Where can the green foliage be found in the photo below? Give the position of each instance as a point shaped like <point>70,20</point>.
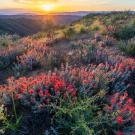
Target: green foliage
<point>81,118</point>
<point>91,54</point>
<point>120,16</point>
<point>106,21</point>
<point>125,33</point>
<point>8,40</point>
<point>108,41</point>
<point>9,124</point>
<point>68,33</point>
<point>96,28</point>
<point>82,30</point>
<point>39,35</point>
<point>4,42</point>
<point>128,49</point>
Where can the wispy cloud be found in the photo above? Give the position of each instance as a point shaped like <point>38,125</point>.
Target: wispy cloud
<point>92,2</point>
<point>35,1</point>
<point>100,2</point>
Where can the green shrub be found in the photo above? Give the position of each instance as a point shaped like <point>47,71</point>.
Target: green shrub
<point>70,101</point>
<point>4,42</point>
<point>82,30</point>
<point>69,33</point>
<point>128,49</point>
<point>39,35</point>
<point>7,122</point>
<point>80,118</point>
<point>96,28</point>
<point>120,16</point>
<point>125,33</point>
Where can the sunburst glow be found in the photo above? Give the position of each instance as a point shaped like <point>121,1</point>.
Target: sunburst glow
<point>48,7</point>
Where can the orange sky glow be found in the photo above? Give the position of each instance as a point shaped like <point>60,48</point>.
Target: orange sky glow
<point>42,6</point>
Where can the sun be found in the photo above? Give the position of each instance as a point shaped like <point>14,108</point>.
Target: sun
<point>48,7</point>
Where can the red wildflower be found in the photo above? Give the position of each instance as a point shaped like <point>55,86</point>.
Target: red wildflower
<point>39,89</point>
<point>101,65</point>
<point>120,133</point>
<point>122,98</point>
<point>59,84</point>
<point>117,94</point>
<point>121,66</point>
<point>127,107</point>
<point>130,101</point>
<point>113,100</point>
<point>31,91</point>
<point>17,96</point>
<point>125,94</point>
<point>41,93</point>
<point>133,117</point>
<point>23,90</point>
<point>120,120</point>
<point>69,87</point>
<point>74,93</point>
<point>119,104</point>
<point>85,81</point>
<point>109,108</point>
<point>47,101</point>
<point>47,93</point>
<point>133,110</point>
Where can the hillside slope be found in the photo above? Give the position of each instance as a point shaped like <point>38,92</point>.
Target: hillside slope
<point>29,24</point>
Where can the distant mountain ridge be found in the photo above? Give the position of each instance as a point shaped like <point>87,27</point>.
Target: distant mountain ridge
<point>25,12</point>
<point>16,12</point>
<point>24,25</point>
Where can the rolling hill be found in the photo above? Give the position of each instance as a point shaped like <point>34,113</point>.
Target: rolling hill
<point>24,25</point>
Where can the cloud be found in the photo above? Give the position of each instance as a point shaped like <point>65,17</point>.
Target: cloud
<point>100,2</point>
<point>87,2</point>
<point>90,2</point>
<point>35,1</point>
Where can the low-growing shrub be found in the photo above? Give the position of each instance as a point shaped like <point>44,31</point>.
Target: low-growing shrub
<point>39,35</point>
<point>69,33</point>
<point>128,49</point>
<point>8,56</point>
<point>8,40</point>
<point>125,33</point>
<point>82,30</point>
<point>120,16</point>
<point>71,101</point>
<point>86,79</point>
<point>122,112</point>
<point>82,117</point>
<point>107,41</point>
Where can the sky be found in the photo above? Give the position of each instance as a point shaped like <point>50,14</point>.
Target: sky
<point>68,5</point>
